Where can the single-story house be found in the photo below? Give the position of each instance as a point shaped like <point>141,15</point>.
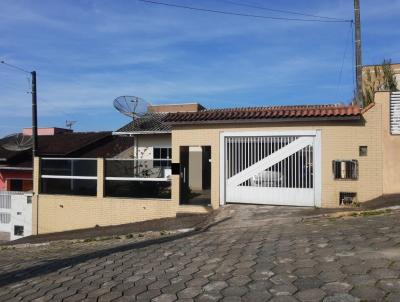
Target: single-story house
<point>317,156</point>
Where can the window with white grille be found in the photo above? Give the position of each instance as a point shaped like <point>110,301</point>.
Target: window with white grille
<point>5,218</point>
<point>345,169</point>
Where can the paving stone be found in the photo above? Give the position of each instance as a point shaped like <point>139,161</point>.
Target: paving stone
<point>311,295</point>
<point>257,296</point>
<point>209,297</point>
<point>239,280</point>
<point>283,290</point>
<point>215,286</point>
<point>384,273</point>
<point>341,298</point>
<point>283,279</point>
<point>392,297</point>
<point>234,291</point>
<point>368,293</point>
<point>361,280</point>
<point>389,285</point>
<point>165,298</point>
<point>336,287</point>
<point>307,283</point>
<point>189,292</point>
<point>283,299</point>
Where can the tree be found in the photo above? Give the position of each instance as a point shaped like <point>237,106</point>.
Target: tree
<point>380,78</point>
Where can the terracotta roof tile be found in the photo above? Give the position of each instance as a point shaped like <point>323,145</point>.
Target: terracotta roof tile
<point>264,113</point>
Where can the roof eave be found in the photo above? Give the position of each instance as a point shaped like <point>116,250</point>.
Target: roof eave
<point>141,132</point>
<point>275,120</point>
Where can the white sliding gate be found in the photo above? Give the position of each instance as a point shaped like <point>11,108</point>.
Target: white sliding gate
<point>282,168</point>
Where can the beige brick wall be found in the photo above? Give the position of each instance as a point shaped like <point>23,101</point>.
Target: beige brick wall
<point>57,213</point>
<point>391,148</point>
<point>61,213</point>
<point>340,140</point>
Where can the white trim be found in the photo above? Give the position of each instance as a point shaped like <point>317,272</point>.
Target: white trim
<point>317,157</point>
<point>318,169</point>
<point>69,177</point>
<point>271,133</point>
<point>222,168</point>
<point>138,179</point>
<point>69,158</point>
<point>137,159</point>
<point>16,168</point>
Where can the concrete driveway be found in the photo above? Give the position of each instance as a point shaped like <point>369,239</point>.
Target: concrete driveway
<point>258,253</point>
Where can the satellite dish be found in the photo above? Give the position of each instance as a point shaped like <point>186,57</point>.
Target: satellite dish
<point>69,124</point>
<point>131,106</point>
<point>17,142</point>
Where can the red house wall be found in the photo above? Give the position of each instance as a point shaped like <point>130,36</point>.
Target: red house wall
<point>5,176</point>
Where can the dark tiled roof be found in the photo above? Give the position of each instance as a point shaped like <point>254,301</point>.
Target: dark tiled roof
<point>264,114</point>
<point>112,147</point>
<point>64,144</point>
<point>152,122</point>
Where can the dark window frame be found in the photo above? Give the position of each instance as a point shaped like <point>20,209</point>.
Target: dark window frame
<point>350,172</point>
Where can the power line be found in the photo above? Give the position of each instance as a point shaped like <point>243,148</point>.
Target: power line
<point>15,67</point>
<point>349,33</point>
<point>240,14</point>
<point>281,10</point>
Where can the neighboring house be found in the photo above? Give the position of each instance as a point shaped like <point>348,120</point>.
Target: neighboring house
<point>16,171</point>
<point>317,156</point>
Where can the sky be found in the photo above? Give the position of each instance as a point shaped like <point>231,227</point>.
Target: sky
<point>87,53</point>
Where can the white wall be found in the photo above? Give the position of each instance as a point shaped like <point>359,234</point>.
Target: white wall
<point>146,144</point>
<point>20,210</point>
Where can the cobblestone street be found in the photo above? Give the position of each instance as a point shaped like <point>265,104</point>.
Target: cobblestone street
<point>260,253</point>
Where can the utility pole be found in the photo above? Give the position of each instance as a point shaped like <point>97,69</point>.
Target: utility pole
<point>34,115</point>
<point>357,41</point>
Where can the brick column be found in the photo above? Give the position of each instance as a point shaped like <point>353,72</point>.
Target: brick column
<point>100,177</point>
<point>35,197</point>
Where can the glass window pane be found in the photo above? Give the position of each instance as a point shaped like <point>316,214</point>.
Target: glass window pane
<point>164,153</point>
<point>138,189</point>
<point>157,153</point>
<point>69,186</point>
<point>80,167</point>
<point>132,168</point>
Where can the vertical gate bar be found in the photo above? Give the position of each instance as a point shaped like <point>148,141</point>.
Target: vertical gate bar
<point>232,156</point>
<point>307,167</point>
<point>301,168</point>
<point>236,156</point>
<point>279,166</point>
<point>268,153</point>
<point>229,156</point>
<point>295,170</point>
<point>312,165</point>
<point>228,159</point>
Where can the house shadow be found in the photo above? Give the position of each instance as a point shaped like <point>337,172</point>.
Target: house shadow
<point>57,264</point>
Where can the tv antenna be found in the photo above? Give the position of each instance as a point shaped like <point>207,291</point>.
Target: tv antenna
<point>69,124</point>
<point>17,142</point>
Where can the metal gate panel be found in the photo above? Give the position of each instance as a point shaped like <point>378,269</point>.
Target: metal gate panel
<point>269,169</point>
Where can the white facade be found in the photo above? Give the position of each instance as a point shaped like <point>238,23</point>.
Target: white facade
<point>15,214</point>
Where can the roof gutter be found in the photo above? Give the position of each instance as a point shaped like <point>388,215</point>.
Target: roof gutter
<point>141,132</point>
